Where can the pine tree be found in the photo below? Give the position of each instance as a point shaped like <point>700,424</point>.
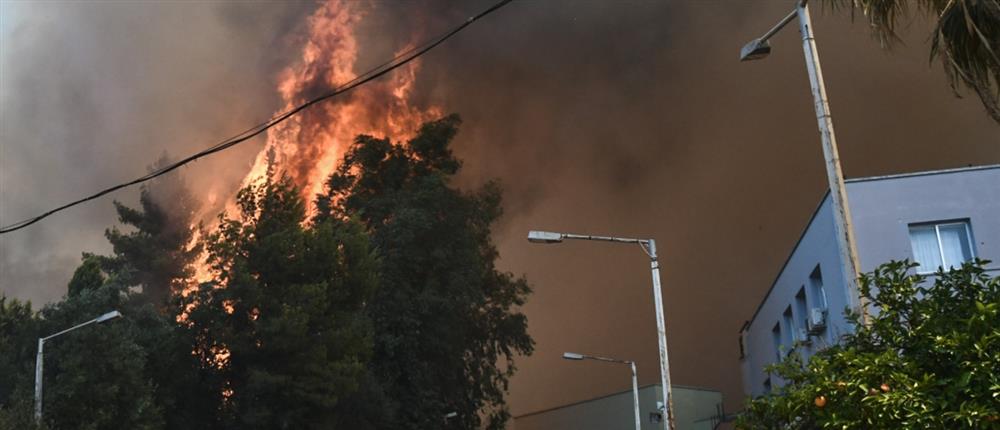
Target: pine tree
<point>281,331</point>
<point>156,255</point>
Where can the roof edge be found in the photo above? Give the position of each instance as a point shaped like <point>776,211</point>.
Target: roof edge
<point>969,168</point>
<point>788,259</point>
<point>822,201</point>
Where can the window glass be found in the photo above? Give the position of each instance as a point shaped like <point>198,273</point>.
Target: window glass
<point>925,248</point>
<point>937,245</point>
<point>954,244</point>
<point>818,292</point>
<point>789,332</point>
<point>776,338</point>
<point>801,308</point>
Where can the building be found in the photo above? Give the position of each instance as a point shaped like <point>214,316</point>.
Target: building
<point>937,218</point>
<point>695,409</point>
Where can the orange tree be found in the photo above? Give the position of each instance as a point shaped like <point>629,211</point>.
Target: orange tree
<point>930,358</point>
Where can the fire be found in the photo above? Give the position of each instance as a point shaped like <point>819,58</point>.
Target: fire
<point>309,146</point>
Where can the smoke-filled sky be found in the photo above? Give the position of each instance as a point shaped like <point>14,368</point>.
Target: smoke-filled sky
<point>617,117</point>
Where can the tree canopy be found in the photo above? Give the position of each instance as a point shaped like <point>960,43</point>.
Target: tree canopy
<point>446,322</point>
<point>384,309</point>
<point>280,331</point>
<point>930,358</point>
<point>155,255</point>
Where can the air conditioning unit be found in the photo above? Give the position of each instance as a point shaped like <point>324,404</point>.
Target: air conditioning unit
<point>817,321</point>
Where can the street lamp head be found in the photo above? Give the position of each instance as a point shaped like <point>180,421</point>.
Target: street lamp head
<point>108,316</point>
<point>572,356</point>
<point>544,237</point>
<point>755,50</point>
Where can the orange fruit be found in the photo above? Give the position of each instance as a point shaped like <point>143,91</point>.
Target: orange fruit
<point>820,401</point>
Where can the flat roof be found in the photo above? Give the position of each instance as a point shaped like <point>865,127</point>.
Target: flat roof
<point>822,200</point>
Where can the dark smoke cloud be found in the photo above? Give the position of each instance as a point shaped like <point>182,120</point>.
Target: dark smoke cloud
<point>93,92</point>
<point>619,117</point>
<point>635,118</point>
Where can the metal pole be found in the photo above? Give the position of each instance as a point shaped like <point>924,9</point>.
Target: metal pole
<point>38,381</point>
<point>661,331</point>
<point>843,227</point>
<point>635,397</point>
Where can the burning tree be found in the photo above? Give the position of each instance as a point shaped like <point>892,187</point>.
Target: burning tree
<point>280,331</point>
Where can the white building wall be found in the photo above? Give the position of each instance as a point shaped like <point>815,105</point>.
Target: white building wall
<point>882,208</point>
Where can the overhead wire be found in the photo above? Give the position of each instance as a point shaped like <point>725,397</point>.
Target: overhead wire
<point>374,73</point>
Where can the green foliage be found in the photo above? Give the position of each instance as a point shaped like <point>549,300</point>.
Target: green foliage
<point>966,38</point>
<point>930,358</point>
<point>86,277</point>
<point>286,338</point>
<point>137,372</point>
<point>304,325</point>
<point>18,343</point>
<point>155,255</point>
<point>95,376</point>
<point>446,323</point>
<point>18,412</point>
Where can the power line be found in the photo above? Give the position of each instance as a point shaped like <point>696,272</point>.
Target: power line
<point>372,74</point>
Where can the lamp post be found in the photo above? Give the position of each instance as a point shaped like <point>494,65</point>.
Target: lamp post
<point>635,381</point>
<point>39,358</point>
<point>760,48</point>
<point>649,247</point>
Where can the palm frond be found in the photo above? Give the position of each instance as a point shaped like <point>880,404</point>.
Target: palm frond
<point>966,39</point>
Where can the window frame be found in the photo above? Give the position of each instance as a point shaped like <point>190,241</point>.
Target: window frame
<point>936,225</point>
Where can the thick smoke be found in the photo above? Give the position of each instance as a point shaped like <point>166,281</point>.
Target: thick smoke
<point>635,118</point>
<point>92,93</point>
<point>626,118</point>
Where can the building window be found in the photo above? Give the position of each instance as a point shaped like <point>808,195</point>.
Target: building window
<point>816,285</point>
<point>789,338</point>
<point>776,338</point>
<point>801,309</point>
<point>743,350</point>
<point>946,244</point>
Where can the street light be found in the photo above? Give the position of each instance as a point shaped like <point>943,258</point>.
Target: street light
<point>760,48</point>
<point>649,247</point>
<point>635,381</point>
<point>39,358</point>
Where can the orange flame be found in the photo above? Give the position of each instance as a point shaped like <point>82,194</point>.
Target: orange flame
<point>309,146</point>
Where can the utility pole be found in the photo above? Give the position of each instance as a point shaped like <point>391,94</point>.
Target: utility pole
<point>843,226</point>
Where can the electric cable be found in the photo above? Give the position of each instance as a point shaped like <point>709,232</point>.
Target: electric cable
<point>372,74</point>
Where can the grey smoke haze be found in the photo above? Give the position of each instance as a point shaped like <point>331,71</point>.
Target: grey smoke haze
<point>92,93</point>
<point>626,118</point>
